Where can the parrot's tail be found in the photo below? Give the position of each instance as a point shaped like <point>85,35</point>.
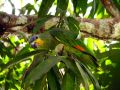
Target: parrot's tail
<point>92,57</point>
<point>78,47</point>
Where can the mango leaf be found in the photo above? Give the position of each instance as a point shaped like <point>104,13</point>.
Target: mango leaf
<point>61,7</point>
<point>53,81</point>
<point>95,4</point>
<point>19,58</point>
<point>79,6</point>
<point>68,81</point>
<point>28,7</point>
<point>42,69</point>
<point>24,49</point>
<point>40,23</point>
<point>73,25</point>
<point>83,74</point>
<point>40,83</point>
<point>36,60</point>
<point>116,3</point>
<point>83,5</point>
<point>44,8</point>
<point>100,11</point>
<point>72,67</point>
<point>92,78</point>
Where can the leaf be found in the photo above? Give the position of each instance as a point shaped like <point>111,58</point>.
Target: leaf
<point>68,81</point>
<point>22,57</point>
<point>40,23</point>
<point>40,83</point>
<point>73,25</point>
<point>83,74</point>
<point>53,81</point>
<point>79,6</point>
<point>70,65</point>
<point>95,4</point>
<point>76,7</point>
<point>36,60</point>
<point>42,69</point>
<point>83,5</point>
<point>92,78</point>
<point>44,8</point>
<point>62,7</point>
<point>25,49</point>
<point>116,3</point>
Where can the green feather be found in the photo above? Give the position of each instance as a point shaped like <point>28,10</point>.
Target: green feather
<point>67,37</point>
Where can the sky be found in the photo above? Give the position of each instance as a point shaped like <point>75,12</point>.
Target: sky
<point>20,3</point>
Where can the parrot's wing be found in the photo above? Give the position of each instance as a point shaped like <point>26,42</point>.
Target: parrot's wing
<point>63,35</point>
<point>67,38</point>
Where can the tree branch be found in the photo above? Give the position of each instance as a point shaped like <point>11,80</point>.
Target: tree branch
<point>111,8</point>
<point>101,29</point>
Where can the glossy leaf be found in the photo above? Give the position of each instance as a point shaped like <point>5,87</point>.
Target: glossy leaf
<point>62,7</point>
<point>17,59</point>
<point>91,77</point>
<point>73,25</point>
<point>68,81</point>
<point>42,69</point>
<point>40,83</point>
<point>53,81</point>
<point>94,8</point>
<point>83,74</point>
<point>40,23</point>
<point>44,8</point>
<point>80,6</point>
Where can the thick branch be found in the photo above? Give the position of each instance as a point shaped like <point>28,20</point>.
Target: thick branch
<point>102,28</point>
<point>111,8</point>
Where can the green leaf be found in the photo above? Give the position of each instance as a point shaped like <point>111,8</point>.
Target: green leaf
<point>53,81</point>
<point>80,6</point>
<point>18,58</point>
<point>25,49</point>
<point>116,3</point>
<point>83,74</point>
<point>83,5</point>
<point>62,7</point>
<point>90,76</point>
<point>42,69</point>
<point>90,44</point>
<point>73,25</point>
<point>44,8</point>
<point>68,81</point>
<point>95,4</point>
<point>76,7</point>
<point>40,83</point>
<point>40,23</point>
<point>71,65</point>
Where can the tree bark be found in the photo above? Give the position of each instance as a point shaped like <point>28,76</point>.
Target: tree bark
<point>99,28</point>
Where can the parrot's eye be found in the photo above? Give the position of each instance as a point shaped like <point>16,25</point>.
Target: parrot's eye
<point>33,38</point>
<point>36,37</point>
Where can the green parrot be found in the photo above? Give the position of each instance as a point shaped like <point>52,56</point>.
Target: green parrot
<point>68,39</point>
<point>75,46</point>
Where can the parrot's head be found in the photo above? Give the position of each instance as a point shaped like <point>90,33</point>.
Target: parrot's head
<point>35,41</point>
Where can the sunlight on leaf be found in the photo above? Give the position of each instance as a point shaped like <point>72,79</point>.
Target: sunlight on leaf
<point>108,62</point>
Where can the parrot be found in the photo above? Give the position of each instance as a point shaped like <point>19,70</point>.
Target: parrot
<point>68,40</point>
<point>44,40</point>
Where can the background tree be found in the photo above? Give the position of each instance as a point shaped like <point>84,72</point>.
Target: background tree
<point>52,51</point>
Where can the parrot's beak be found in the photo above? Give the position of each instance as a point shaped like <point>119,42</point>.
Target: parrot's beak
<point>37,43</point>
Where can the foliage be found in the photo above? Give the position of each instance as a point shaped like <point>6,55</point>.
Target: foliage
<point>27,68</point>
